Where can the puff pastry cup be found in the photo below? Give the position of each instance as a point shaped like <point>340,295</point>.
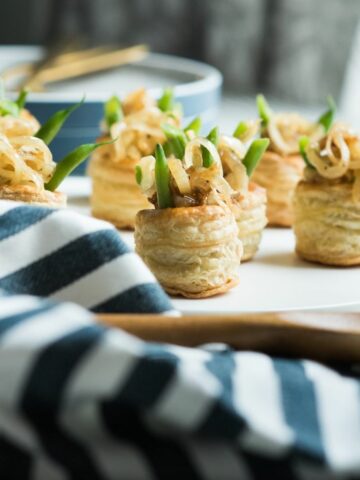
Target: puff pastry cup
<point>250,214</point>
<point>327,201</point>
<point>248,200</point>
<point>25,163</point>
<point>34,196</point>
<point>27,170</point>
<point>26,166</point>
<point>281,167</point>
<point>115,196</point>
<point>279,175</point>
<point>192,251</point>
<point>204,211</point>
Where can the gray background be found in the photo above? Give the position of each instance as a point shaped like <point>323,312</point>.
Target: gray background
<point>297,50</point>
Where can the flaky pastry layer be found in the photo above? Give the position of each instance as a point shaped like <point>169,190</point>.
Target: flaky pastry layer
<point>279,175</point>
<point>250,215</point>
<point>115,195</point>
<point>193,251</point>
<point>327,224</point>
<point>33,196</point>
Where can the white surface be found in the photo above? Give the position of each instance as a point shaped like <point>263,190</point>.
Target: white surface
<point>275,280</point>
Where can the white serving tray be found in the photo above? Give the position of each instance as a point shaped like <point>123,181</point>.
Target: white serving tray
<point>276,280</point>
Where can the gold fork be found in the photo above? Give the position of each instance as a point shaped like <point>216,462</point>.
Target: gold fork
<point>63,64</point>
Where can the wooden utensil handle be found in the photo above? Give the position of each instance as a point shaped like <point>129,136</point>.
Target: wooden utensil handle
<point>320,336</point>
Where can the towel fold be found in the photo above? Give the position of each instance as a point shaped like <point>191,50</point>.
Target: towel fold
<point>66,256</point>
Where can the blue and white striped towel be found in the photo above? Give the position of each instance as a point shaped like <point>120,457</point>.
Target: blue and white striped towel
<point>69,257</point>
<point>81,401</point>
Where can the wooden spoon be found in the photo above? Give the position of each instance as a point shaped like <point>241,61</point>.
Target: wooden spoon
<point>320,336</point>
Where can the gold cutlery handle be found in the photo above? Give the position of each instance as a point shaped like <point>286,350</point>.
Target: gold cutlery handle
<point>102,60</point>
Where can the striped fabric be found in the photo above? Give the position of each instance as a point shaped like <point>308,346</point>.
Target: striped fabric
<point>68,257</point>
<point>81,401</point>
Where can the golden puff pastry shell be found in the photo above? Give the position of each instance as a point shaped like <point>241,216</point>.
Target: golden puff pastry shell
<point>279,175</point>
<point>33,196</point>
<point>115,195</point>
<point>192,251</point>
<point>327,223</point>
<point>250,214</point>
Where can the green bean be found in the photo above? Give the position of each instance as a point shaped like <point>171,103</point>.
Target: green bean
<point>194,126</point>
<point>303,144</point>
<point>254,154</point>
<point>162,179</point>
<point>240,130</point>
<point>70,162</point>
<point>21,99</point>
<point>168,149</point>
<point>113,111</point>
<point>51,128</point>
<point>166,101</point>
<point>264,109</point>
<point>167,104</point>
<point>176,140</point>
<point>327,118</point>
<point>138,174</point>
<point>7,107</point>
<point>213,137</point>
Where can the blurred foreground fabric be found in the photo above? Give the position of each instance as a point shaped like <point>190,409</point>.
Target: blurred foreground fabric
<point>86,402</point>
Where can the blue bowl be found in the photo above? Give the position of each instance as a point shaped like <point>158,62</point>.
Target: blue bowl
<point>197,87</point>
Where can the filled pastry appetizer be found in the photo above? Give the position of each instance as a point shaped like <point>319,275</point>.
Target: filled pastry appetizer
<point>327,200</point>
<point>281,167</point>
<point>190,240</point>
<point>135,124</point>
<point>27,170</point>
<point>248,200</point>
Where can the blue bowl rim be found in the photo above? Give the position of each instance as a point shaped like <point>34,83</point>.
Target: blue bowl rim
<point>210,78</point>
